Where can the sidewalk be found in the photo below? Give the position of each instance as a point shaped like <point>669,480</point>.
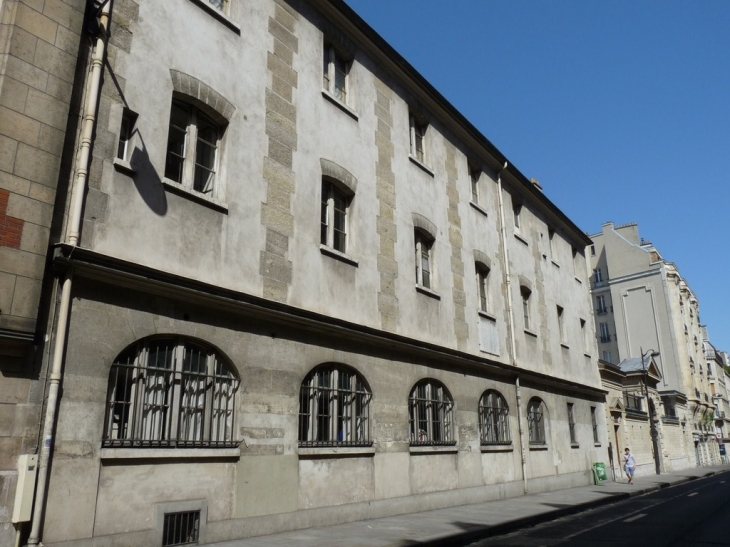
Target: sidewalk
<point>464,524</point>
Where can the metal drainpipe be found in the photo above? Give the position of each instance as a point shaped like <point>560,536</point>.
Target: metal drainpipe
<point>72,238</point>
<point>511,324</point>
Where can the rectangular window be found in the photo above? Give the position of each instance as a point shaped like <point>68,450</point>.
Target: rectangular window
<point>517,211</point>
<point>577,256</point>
<point>418,139</point>
<point>181,528</point>
<point>601,308</point>
<point>561,325</point>
<point>192,148</point>
<point>126,130</point>
<point>594,424</point>
<point>571,424</point>
<point>606,356</point>
<point>482,276</point>
<point>525,293</point>
<point>553,253</point>
<point>334,73</point>
<point>593,250</point>
<point>598,276</point>
<point>423,260</point>
<point>333,231</point>
<point>605,334</point>
<point>474,175</point>
<point>584,336</point>
<point>220,5</point>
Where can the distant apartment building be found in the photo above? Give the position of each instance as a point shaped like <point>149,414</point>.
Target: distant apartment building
<point>719,378</point>
<point>643,305</point>
<point>288,283</point>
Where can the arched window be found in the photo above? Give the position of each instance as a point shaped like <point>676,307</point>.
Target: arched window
<point>334,408</point>
<point>536,421</point>
<point>170,392</point>
<point>483,286</point>
<point>493,419</point>
<point>431,409</point>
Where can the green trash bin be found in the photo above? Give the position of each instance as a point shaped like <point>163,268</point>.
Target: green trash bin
<point>599,470</point>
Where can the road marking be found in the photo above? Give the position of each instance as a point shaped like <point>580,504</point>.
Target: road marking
<point>635,517</point>
<point>692,494</point>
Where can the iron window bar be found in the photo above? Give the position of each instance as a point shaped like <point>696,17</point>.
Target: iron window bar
<point>494,419</point>
<point>181,528</point>
<point>430,412</point>
<point>334,409</point>
<point>168,394</point>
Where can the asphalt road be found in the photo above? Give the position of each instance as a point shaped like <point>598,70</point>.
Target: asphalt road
<point>692,514</point>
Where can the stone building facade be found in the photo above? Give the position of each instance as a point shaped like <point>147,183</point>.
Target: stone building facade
<point>41,60</point>
<point>642,303</point>
<point>303,289</point>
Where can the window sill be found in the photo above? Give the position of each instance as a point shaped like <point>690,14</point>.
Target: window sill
<point>520,238</point>
<point>216,14</point>
<point>428,292</point>
<point>533,334</point>
<point>555,264</point>
<point>486,315</point>
<point>538,447</point>
<point>597,445</point>
<point>479,208</point>
<point>168,453</point>
<point>337,255</point>
<point>574,445</point>
<point>578,280</point>
<point>587,355</point>
<point>339,104</point>
<point>123,167</point>
<point>487,448</point>
<point>421,165</point>
<point>433,449</point>
<point>564,346</point>
<point>198,197</point>
<point>307,452</point>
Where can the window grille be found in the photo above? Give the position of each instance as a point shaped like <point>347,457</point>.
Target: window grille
<point>181,528</point>
<point>536,421</point>
<point>334,73</point>
<point>430,410</point>
<point>334,409</point>
<point>494,419</point>
<point>170,393</point>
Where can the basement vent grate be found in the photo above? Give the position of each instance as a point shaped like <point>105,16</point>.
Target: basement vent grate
<point>181,528</point>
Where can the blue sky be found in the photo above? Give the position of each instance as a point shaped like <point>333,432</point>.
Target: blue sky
<point>620,109</point>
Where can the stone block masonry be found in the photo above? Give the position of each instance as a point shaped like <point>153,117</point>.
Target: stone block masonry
<point>461,327</point>
<point>385,190</point>
<point>275,267</point>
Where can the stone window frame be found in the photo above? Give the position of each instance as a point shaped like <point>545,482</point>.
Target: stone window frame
<point>560,312</point>
<point>430,404</point>
<point>594,426</point>
<point>336,182</point>
<point>494,416</point>
<point>175,392</point>
<point>204,99</point>
<point>334,402</point>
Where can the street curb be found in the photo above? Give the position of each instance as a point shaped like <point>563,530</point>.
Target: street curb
<point>463,539</point>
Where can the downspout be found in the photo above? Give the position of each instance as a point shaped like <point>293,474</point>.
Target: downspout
<point>72,238</point>
<point>511,324</point>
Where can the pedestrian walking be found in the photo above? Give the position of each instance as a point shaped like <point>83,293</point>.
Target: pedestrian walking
<point>629,464</point>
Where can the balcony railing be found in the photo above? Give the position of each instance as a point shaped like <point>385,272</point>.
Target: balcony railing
<point>605,338</point>
<point>602,311</point>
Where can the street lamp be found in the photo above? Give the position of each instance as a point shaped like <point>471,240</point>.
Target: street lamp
<point>652,425</point>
